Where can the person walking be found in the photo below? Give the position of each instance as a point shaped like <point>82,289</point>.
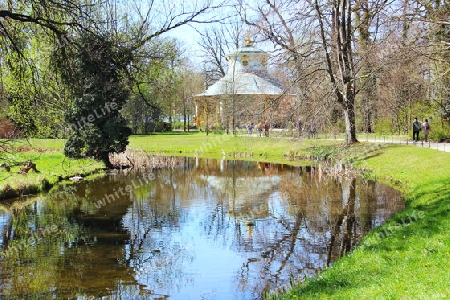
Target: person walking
<point>259,129</point>
<point>426,129</point>
<point>266,129</point>
<point>249,128</point>
<point>299,127</point>
<point>416,129</point>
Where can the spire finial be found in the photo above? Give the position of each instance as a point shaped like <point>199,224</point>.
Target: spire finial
<point>247,40</point>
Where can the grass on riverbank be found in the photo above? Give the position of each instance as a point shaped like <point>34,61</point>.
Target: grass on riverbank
<point>52,167</point>
<point>276,150</point>
<point>47,154</point>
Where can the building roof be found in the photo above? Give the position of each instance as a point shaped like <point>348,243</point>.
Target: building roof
<point>242,83</point>
<point>247,75</point>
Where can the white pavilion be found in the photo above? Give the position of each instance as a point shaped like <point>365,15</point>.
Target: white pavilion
<point>243,92</point>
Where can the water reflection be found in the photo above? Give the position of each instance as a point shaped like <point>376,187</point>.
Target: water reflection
<point>208,229</point>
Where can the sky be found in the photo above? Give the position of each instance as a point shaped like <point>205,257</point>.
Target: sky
<point>190,37</point>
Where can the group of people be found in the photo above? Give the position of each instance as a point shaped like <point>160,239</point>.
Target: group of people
<point>417,127</point>
<point>259,128</point>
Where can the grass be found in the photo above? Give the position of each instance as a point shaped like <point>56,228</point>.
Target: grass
<point>222,145</point>
<point>52,167</point>
<point>40,145</point>
<point>405,258</point>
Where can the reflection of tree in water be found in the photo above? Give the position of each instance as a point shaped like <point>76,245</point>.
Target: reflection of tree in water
<point>37,267</point>
<point>157,256</point>
<point>82,257</point>
<point>317,221</point>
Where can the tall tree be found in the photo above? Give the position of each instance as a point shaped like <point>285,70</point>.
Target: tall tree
<point>364,11</point>
<point>337,43</point>
<point>69,24</point>
<point>154,76</point>
<point>216,43</point>
<point>438,18</point>
<point>34,96</point>
<point>97,77</point>
<point>296,29</point>
<point>189,84</point>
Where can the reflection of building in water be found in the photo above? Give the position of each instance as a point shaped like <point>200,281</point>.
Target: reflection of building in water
<point>247,196</point>
<point>246,187</point>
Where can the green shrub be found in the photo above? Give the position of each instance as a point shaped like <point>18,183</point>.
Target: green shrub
<point>178,125</point>
<point>439,132</point>
<point>323,152</point>
<point>383,126</point>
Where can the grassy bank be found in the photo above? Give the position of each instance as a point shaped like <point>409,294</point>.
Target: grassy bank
<point>199,144</point>
<point>406,258</point>
<point>51,165</point>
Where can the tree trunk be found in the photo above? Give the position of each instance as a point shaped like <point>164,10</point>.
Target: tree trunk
<point>104,157</point>
<point>184,118</point>
<point>350,128</point>
<point>339,59</point>
<point>367,79</point>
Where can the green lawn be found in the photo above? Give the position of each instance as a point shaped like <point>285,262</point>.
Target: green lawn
<point>35,145</point>
<point>222,145</point>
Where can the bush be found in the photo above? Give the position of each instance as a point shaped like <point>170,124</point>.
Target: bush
<point>178,125</point>
<point>439,132</point>
<point>323,152</point>
<point>163,127</point>
<point>158,127</point>
<point>383,126</point>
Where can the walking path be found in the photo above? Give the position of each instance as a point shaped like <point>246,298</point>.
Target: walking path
<point>438,146</point>
<point>445,147</point>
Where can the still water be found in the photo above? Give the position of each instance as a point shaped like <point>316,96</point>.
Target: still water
<point>206,229</point>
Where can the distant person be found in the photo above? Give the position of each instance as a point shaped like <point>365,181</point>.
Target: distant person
<point>299,127</point>
<point>249,128</point>
<point>426,129</point>
<point>312,131</point>
<point>416,129</point>
<point>259,128</point>
<point>266,129</point>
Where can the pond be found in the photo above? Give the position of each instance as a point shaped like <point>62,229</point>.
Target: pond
<point>205,229</point>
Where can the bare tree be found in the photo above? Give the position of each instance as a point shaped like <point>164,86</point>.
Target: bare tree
<point>437,17</point>
<point>288,26</point>
<point>367,78</point>
<point>314,40</point>
<point>336,31</point>
<point>216,43</point>
<point>190,83</point>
